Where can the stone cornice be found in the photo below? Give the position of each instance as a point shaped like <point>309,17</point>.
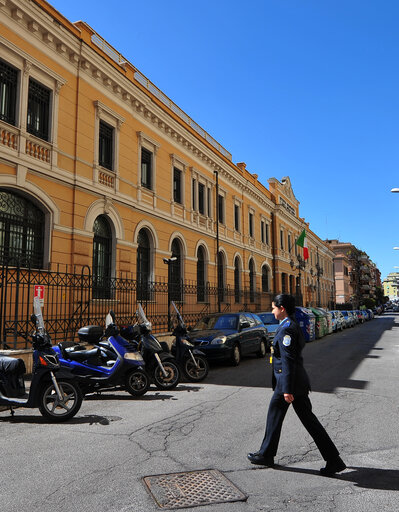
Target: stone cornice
<point>120,89</point>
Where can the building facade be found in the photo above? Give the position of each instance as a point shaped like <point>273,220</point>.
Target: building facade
<point>100,170</point>
<point>357,278</point>
<point>391,285</point>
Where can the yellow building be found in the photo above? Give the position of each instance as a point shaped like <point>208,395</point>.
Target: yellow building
<point>391,285</point>
<point>100,170</point>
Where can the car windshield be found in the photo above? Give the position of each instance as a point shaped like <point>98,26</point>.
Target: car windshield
<point>268,318</point>
<point>217,322</point>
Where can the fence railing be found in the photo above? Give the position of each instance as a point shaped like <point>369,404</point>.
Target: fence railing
<point>72,299</point>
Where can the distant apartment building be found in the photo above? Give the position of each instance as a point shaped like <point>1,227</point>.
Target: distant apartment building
<point>357,278</point>
<point>391,285</point>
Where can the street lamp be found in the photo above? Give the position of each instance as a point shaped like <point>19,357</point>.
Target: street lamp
<point>395,190</point>
<point>396,248</point>
<point>169,261</point>
<point>299,266</point>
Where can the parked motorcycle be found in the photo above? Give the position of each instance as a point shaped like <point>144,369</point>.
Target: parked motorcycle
<point>53,389</point>
<point>192,361</point>
<point>160,364</point>
<point>113,363</point>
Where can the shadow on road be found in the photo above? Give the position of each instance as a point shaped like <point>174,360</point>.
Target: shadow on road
<point>91,419</point>
<point>367,478</point>
<point>330,361</point>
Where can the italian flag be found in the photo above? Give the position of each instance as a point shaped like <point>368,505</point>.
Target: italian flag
<point>303,242</point>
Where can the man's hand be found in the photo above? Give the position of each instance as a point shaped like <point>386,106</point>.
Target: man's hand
<point>288,397</point>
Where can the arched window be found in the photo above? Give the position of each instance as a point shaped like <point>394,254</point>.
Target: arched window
<point>175,272</point>
<point>237,280</point>
<point>143,268</point>
<point>221,283</point>
<point>201,296</point>
<point>265,279</point>
<point>102,258</point>
<point>21,231</point>
<point>252,282</point>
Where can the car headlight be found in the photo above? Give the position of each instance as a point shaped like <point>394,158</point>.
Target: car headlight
<point>219,340</point>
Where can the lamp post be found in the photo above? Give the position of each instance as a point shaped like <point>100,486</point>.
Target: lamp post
<point>299,266</point>
<point>319,272</point>
<point>395,190</point>
<point>169,261</point>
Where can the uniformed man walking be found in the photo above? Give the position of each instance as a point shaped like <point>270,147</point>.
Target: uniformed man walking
<point>291,385</point>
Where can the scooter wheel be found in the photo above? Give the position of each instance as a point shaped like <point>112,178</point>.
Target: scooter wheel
<point>196,373</point>
<point>172,378</point>
<point>56,409</point>
<point>137,383</point>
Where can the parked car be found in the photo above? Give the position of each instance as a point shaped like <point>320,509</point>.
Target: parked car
<point>340,320</point>
<point>365,315</point>
<point>354,317</point>
<point>329,320</point>
<point>337,321</point>
<point>321,322</point>
<point>348,318</point>
<point>270,322</point>
<point>229,336</point>
<point>307,322</point>
<point>360,317</point>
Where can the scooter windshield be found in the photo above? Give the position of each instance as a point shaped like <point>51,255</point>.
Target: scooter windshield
<point>37,309</point>
<point>142,319</point>
<point>176,317</point>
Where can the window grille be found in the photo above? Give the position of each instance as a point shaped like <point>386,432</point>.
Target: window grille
<point>21,232</point>
<point>236,281</point>
<point>8,92</point>
<point>38,110</point>
<point>106,146</point>
<point>177,183</point>
<point>143,266</point>
<point>200,275</point>
<point>265,279</point>
<point>102,254</point>
<point>146,168</point>
<point>175,273</point>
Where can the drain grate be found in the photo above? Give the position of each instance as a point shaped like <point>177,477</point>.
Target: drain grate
<point>192,489</point>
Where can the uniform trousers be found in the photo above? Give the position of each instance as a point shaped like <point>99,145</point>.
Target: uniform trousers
<point>277,410</point>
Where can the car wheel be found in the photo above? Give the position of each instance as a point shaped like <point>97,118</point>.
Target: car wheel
<point>262,348</point>
<point>235,355</point>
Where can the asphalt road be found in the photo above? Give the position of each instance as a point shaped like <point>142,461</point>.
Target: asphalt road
<point>96,462</point>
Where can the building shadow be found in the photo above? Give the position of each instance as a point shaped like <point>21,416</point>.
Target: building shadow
<point>330,361</point>
<point>364,477</point>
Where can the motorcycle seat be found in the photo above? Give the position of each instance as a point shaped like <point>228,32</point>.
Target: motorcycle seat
<point>81,355</point>
<point>11,365</point>
<point>12,376</point>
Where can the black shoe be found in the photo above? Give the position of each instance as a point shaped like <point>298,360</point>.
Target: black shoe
<point>258,458</point>
<point>333,466</point>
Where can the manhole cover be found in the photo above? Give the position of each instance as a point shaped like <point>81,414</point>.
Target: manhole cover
<point>192,489</point>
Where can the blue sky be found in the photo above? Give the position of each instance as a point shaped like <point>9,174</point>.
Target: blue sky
<point>302,88</point>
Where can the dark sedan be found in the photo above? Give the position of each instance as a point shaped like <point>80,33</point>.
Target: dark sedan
<point>228,336</point>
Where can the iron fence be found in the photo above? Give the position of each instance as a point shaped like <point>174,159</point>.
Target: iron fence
<point>71,300</point>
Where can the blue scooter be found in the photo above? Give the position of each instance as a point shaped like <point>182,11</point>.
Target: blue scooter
<point>113,363</point>
<point>53,389</point>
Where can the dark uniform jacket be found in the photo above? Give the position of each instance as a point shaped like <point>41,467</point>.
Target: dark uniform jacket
<point>289,375</point>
